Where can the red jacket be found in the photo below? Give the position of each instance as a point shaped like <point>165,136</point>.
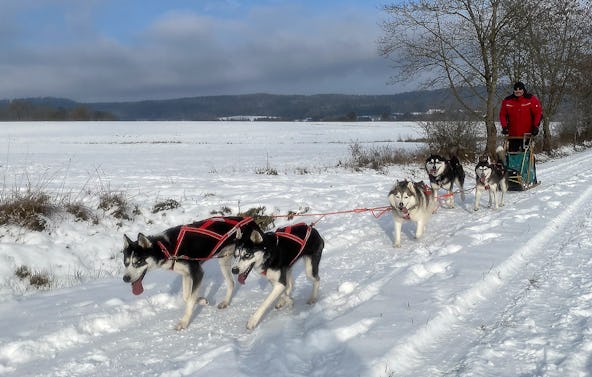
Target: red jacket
<point>520,114</point>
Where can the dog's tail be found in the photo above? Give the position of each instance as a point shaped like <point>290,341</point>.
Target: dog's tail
<point>500,153</point>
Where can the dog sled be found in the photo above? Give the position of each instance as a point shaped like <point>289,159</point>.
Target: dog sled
<point>520,162</point>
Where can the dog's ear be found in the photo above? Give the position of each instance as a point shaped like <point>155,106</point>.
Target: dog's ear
<point>411,186</point>
<point>238,235</point>
<point>256,237</point>
<point>126,242</point>
<point>144,242</point>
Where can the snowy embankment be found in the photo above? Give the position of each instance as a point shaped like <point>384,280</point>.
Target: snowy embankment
<point>503,292</point>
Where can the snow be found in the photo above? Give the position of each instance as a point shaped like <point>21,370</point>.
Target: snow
<point>504,292</point>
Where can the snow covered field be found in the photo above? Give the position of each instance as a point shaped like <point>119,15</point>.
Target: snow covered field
<point>503,292</point>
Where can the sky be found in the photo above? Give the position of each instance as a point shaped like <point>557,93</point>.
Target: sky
<point>501,292</point>
<point>109,50</point>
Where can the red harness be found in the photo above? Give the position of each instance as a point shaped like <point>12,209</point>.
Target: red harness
<point>287,233</point>
<point>203,229</point>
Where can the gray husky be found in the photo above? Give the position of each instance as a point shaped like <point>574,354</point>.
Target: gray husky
<point>411,201</point>
<point>492,177</point>
<point>183,249</point>
<point>272,255</point>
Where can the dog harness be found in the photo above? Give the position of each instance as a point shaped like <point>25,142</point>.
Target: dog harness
<point>217,229</point>
<point>298,233</point>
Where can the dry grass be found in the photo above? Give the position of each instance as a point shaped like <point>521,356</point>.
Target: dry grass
<point>37,280</point>
<point>165,205</point>
<point>265,222</point>
<point>29,209</point>
<point>379,158</point>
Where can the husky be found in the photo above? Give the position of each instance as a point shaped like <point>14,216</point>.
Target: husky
<point>411,201</point>
<point>272,254</point>
<point>492,177</point>
<point>183,249</point>
<point>445,173</point>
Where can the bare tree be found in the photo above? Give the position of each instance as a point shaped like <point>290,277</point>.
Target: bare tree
<point>577,123</point>
<point>452,43</point>
<point>547,51</point>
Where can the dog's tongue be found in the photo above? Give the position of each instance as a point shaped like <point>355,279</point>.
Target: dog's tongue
<point>242,277</point>
<point>137,287</point>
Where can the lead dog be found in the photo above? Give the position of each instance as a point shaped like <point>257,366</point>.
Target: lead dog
<point>183,249</point>
<point>272,254</point>
<point>445,173</point>
<point>412,201</point>
<point>492,177</point>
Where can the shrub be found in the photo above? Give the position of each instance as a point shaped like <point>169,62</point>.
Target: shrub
<point>117,205</point>
<point>258,214</point>
<point>81,212</point>
<point>442,137</point>
<point>36,279</point>
<point>224,211</point>
<point>378,158</point>
<point>29,209</point>
<point>165,205</point>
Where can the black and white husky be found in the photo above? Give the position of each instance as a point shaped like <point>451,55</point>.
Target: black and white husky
<point>183,249</point>
<point>272,255</point>
<point>411,201</point>
<point>445,173</point>
<point>492,177</point>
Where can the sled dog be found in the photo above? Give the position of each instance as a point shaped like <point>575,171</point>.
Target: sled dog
<point>411,201</point>
<point>183,249</point>
<point>493,177</point>
<point>272,254</point>
<point>445,173</point>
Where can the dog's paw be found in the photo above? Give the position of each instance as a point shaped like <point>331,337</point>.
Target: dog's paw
<point>182,325</point>
<point>252,323</point>
<point>202,301</point>
<point>312,301</point>
<point>223,305</point>
<point>283,301</point>
<point>397,245</point>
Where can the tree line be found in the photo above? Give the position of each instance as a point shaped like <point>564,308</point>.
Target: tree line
<point>466,44</point>
<point>23,110</point>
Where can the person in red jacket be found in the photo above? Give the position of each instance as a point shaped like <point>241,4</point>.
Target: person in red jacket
<point>520,113</point>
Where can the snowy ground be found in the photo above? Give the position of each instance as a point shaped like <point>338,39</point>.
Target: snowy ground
<point>503,292</point>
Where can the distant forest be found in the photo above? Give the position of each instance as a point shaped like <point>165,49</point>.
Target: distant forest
<point>323,107</point>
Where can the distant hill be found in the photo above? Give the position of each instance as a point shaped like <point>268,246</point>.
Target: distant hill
<point>285,107</point>
<point>401,106</point>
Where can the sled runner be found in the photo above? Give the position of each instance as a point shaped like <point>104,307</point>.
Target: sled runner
<point>520,162</point>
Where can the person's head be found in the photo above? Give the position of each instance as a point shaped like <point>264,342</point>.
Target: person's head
<point>519,89</point>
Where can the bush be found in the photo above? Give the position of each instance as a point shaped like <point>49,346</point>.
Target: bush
<point>29,209</point>
<point>461,136</point>
<point>258,214</point>
<point>81,212</point>
<point>165,205</point>
<point>115,204</point>
<point>36,279</point>
<point>378,158</point>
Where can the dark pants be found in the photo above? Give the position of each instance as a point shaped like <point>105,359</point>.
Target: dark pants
<point>517,145</point>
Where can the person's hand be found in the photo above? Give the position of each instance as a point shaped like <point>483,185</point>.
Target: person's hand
<point>504,131</point>
<point>534,131</point>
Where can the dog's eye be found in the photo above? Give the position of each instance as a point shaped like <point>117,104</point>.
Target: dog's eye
<point>139,263</point>
<point>248,255</point>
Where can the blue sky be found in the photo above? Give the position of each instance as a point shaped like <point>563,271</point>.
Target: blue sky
<point>120,50</point>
